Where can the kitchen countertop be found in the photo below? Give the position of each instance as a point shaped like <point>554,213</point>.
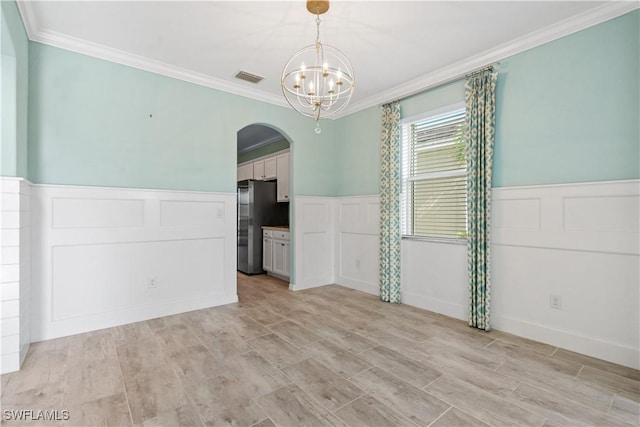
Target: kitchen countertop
<point>275,227</point>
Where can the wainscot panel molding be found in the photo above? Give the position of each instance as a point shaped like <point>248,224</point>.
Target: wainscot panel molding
<point>434,277</point>
<point>109,256</point>
<point>314,247</point>
<point>357,228</point>
<point>15,272</point>
<point>600,217</point>
<point>579,242</point>
<point>576,241</point>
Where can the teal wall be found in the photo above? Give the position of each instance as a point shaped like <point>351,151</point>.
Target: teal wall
<point>357,158</point>
<point>360,132</point>
<point>567,111</point>
<point>434,99</point>
<point>93,122</point>
<point>265,150</point>
<point>15,54</point>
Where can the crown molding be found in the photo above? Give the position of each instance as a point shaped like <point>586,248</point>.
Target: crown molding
<point>63,41</point>
<point>28,18</point>
<point>158,67</point>
<point>459,69</point>
<point>262,143</point>
<point>446,74</point>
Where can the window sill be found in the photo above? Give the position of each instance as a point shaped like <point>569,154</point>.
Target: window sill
<point>436,240</point>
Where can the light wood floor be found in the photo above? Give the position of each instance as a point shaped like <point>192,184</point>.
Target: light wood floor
<point>325,356</point>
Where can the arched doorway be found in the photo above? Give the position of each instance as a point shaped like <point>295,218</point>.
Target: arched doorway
<point>264,202</point>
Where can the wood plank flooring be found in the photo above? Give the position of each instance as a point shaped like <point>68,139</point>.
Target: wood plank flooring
<point>321,357</point>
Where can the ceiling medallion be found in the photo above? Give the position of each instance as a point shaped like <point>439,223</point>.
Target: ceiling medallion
<point>318,80</point>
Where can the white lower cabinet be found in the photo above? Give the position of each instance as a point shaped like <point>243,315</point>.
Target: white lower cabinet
<point>281,257</point>
<point>275,252</point>
<point>267,254</point>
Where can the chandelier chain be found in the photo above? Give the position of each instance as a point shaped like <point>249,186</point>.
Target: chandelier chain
<point>317,29</point>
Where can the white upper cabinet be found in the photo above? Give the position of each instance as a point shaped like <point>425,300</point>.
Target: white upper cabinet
<point>270,168</point>
<point>258,170</point>
<point>245,172</point>
<point>282,164</point>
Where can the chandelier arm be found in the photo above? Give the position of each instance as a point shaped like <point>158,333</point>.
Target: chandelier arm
<point>306,104</point>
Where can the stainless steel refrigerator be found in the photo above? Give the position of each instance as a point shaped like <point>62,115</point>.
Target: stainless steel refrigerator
<point>257,206</point>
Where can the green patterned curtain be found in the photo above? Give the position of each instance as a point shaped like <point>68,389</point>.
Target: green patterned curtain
<point>480,120</point>
<point>390,204</point>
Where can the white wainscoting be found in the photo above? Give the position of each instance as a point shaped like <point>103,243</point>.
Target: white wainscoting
<point>15,272</point>
<point>577,241</point>
<point>314,246</point>
<point>357,223</point>
<point>434,277</point>
<point>96,251</point>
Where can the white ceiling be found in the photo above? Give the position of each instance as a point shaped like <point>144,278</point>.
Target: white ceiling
<point>396,47</point>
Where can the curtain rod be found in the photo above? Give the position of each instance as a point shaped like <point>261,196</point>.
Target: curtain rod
<point>494,66</point>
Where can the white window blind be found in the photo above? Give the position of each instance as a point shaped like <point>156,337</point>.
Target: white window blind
<point>434,177</point>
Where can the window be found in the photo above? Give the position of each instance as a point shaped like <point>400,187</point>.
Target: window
<point>434,175</point>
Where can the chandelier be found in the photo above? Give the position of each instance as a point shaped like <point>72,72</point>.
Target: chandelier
<point>318,80</point>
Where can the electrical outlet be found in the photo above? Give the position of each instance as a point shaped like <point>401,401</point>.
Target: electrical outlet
<point>555,302</point>
<point>152,283</point>
<point>358,264</point>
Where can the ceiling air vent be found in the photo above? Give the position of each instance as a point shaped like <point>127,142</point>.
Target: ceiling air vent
<point>248,77</point>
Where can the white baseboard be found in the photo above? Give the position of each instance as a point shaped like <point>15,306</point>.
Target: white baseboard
<point>308,285</point>
<point>600,349</point>
<point>278,276</point>
<point>358,285</point>
<point>137,314</point>
<point>457,311</point>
